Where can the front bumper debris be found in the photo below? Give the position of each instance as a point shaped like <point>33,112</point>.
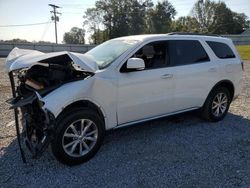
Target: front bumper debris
<point>46,131</point>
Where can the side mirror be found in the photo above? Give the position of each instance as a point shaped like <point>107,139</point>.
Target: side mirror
<point>135,64</point>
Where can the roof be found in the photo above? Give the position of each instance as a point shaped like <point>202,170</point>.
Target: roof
<point>171,35</point>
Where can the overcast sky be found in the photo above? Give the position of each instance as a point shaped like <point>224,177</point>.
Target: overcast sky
<point>16,12</point>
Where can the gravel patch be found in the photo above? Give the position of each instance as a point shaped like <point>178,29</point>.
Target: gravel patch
<point>178,151</point>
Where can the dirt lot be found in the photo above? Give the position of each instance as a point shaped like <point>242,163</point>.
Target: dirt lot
<point>180,151</point>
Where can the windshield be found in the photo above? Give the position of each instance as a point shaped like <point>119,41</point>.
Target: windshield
<point>107,52</point>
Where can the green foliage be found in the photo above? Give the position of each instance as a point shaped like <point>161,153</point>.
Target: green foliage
<point>203,12</point>
<point>115,18</point>
<point>217,18</point>
<point>99,36</point>
<point>222,19</point>
<point>122,17</point>
<point>161,17</point>
<point>240,23</point>
<point>74,36</point>
<point>186,24</point>
<point>17,40</point>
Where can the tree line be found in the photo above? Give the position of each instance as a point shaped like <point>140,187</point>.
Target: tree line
<point>17,40</point>
<point>114,18</point>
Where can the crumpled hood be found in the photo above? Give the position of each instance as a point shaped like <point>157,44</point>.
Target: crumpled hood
<point>23,58</point>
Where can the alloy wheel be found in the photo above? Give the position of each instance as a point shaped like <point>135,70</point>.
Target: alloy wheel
<point>219,104</point>
<point>80,137</point>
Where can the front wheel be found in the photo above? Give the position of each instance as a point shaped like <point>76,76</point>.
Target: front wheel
<point>217,104</point>
<point>78,137</point>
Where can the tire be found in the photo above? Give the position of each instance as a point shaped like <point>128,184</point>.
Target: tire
<point>210,111</point>
<point>72,144</point>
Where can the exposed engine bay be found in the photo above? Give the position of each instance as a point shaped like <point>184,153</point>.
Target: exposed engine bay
<point>29,85</point>
<point>48,75</point>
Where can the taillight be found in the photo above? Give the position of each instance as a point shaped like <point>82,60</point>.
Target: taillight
<point>242,65</point>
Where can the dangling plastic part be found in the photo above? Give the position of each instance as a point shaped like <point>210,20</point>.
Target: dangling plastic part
<point>12,82</point>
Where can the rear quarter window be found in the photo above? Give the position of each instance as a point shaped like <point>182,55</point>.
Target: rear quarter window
<point>221,50</point>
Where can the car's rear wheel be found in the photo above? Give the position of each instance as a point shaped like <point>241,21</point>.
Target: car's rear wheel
<point>78,137</point>
<point>217,104</point>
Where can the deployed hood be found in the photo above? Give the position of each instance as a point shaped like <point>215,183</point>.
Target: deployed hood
<point>22,58</point>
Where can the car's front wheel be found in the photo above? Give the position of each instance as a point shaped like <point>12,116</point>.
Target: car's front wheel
<point>217,104</point>
<point>78,137</point>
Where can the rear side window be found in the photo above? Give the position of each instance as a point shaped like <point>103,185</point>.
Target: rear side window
<point>221,50</point>
<point>184,52</point>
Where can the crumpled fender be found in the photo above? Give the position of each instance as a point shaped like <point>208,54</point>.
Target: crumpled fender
<point>81,90</point>
<point>65,95</point>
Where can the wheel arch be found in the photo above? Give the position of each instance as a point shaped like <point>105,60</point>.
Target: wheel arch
<point>224,83</point>
<point>83,104</point>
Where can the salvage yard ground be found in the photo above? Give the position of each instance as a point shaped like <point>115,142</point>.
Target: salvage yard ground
<point>179,151</point>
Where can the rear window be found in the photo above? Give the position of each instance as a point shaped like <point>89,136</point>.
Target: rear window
<point>221,50</point>
<point>185,52</point>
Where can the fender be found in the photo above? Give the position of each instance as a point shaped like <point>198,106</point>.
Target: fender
<point>81,102</point>
<point>226,83</point>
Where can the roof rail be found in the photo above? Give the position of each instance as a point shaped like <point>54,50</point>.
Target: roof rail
<point>185,33</point>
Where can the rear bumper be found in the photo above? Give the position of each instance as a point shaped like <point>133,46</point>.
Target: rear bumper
<point>238,88</point>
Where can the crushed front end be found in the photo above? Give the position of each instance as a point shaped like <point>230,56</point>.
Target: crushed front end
<point>36,121</point>
<point>29,85</point>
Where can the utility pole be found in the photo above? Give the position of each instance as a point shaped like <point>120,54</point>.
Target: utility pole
<point>55,18</point>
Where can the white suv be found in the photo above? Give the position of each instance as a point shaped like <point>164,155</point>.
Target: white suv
<point>68,100</point>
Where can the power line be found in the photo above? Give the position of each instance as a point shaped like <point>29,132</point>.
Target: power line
<point>73,13</point>
<point>45,31</point>
<point>79,7</point>
<point>23,25</point>
<point>76,5</point>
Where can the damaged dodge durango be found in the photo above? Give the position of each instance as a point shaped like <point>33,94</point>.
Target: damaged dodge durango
<point>68,100</point>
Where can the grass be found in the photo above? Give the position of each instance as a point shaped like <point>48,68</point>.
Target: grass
<point>244,51</point>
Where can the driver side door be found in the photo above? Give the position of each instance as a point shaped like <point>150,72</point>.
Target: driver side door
<point>148,93</point>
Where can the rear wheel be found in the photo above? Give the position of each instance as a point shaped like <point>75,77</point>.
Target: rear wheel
<point>217,104</point>
<point>78,137</point>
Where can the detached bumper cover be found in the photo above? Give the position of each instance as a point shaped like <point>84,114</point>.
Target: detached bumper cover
<point>37,149</point>
<point>49,121</point>
<point>19,102</point>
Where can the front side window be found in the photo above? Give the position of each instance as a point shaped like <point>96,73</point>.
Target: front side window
<point>154,55</point>
<point>107,52</point>
<point>221,50</point>
<point>184,52</point>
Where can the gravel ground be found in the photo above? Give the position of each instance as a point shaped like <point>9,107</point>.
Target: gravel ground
<point>179,151</point>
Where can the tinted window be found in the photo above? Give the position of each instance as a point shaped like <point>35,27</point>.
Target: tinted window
<point>154,55</point>
<point>221,50</point>
<point>183,52</point>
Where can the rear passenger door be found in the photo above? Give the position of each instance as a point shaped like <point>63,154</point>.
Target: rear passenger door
<point>195,73</point>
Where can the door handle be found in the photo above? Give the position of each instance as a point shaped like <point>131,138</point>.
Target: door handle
<point>212,70</point>
<point>166,76</point>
